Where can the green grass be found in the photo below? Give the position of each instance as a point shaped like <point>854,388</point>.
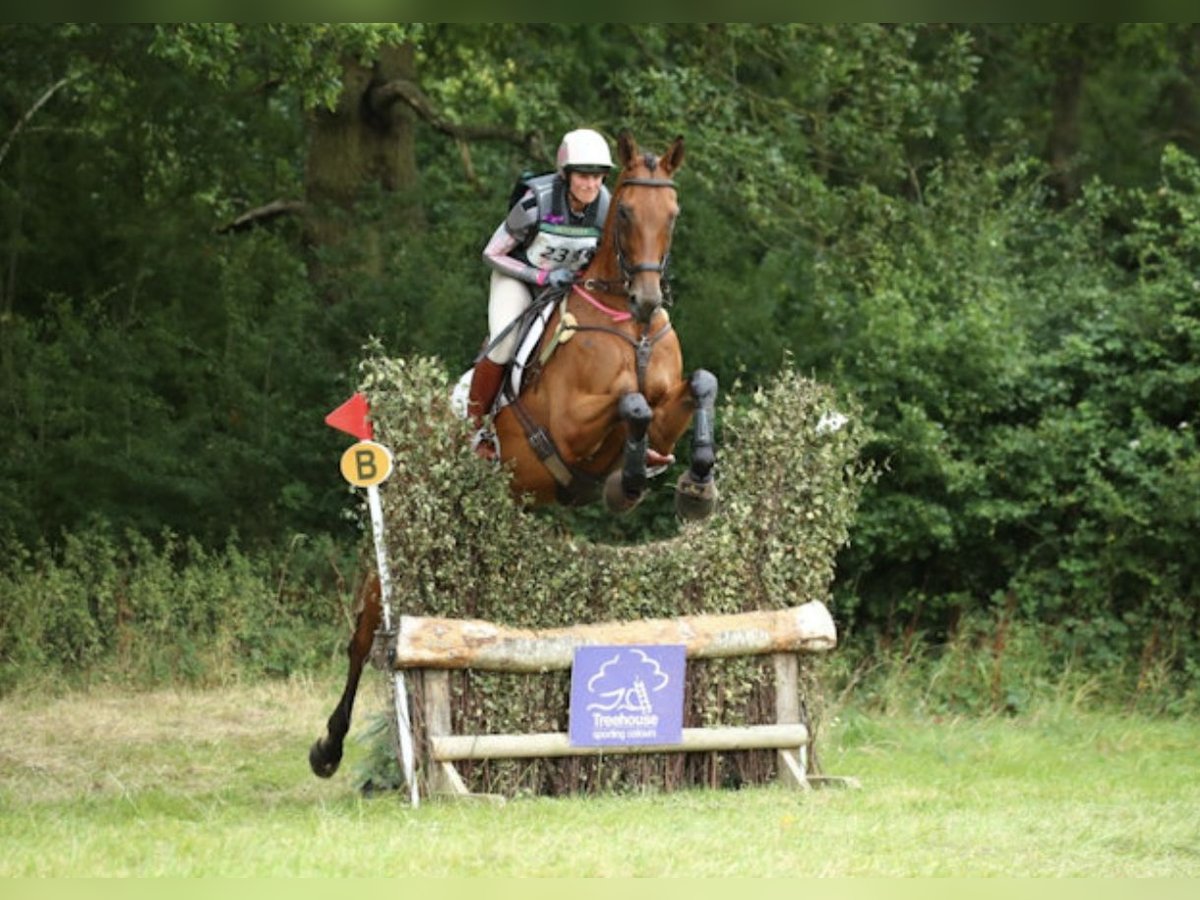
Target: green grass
<point>114,783</point>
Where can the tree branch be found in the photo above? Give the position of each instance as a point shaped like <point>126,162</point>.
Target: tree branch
<point>29,113</point>
<point>262,214</point>
<point>382,95</point>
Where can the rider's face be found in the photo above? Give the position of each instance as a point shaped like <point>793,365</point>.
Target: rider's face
<point>585,186</point>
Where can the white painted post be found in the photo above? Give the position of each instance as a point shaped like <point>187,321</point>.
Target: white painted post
<point>399,691</point>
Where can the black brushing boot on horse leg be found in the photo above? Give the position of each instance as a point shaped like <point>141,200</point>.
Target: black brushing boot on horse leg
<point>696,491</point>
<point>625,487</point>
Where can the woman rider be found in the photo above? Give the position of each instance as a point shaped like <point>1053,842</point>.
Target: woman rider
<point>547,237</point>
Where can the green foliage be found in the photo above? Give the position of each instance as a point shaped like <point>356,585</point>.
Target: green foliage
<point>143,612</point>
<point>1116,440</point>
<point>1031,379</point>
<point>201,429</point>
<point>307,56</point>
<point>1136,92</point>
<point>986,233</point>
<point>154,372</point>
<point>998,663</point>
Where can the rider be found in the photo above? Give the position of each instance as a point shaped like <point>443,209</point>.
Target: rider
<point>547,237</point>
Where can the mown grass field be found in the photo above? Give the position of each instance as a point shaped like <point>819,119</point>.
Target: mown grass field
<point>216,783</point>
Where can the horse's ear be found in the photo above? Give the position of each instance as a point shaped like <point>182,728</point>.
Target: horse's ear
<point>626,147</point>
<point>673,158</point>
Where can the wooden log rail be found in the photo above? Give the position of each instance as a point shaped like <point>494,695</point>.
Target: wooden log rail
<point>436,645</point>
<point>432,643</point>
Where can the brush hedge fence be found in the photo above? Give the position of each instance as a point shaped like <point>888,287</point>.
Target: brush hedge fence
<point>461,546</point>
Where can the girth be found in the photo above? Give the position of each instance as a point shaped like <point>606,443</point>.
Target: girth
<point>574,487</point>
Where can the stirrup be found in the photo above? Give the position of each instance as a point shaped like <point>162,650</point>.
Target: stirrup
<point>485,445</point>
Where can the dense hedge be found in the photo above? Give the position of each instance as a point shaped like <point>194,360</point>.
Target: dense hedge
<point>460,545</point>
<point>108,607</point>
<point>1031,381</point>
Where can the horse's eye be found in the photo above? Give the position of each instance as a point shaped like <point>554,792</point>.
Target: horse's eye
<point>624,212</point>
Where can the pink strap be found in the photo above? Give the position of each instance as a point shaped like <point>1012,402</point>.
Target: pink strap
<point>613,314</point>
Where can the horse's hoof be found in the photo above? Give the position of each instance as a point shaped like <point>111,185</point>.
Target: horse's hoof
<point>323,765</point>
<point>695,500</point>
<point>615,498</point>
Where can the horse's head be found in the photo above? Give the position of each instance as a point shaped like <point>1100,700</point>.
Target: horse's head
<point>644,219</point>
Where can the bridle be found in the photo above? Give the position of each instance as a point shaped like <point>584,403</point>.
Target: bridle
<point>643,345</point>
<point>629,270</point>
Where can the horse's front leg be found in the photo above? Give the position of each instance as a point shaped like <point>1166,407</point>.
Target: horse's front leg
<point>626,486</point>
<point>696,490</point>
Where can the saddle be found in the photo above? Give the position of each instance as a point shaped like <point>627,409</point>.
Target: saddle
<point>530,327</point>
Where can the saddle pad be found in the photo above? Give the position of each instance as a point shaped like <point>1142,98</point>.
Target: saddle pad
<point>526,350</point>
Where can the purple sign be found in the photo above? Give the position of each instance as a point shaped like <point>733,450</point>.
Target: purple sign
<point>627,695</point>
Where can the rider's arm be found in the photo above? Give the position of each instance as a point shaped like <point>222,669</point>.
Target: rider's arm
<point>512,233</point>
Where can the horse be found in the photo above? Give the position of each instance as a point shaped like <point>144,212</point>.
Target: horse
<point>607,405</point>
<point>613,395</point>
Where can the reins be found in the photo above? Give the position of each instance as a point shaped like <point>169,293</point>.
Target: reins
<point>614,314</point>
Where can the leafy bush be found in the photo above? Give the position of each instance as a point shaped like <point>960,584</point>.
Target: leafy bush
<point>1031,384</point>
<point>146,612</point>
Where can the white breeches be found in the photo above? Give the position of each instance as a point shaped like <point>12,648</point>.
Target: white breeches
<point>507,300</point>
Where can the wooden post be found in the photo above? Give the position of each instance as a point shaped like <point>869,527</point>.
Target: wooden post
<point>792,768</point>
<point>443,777</point>
<point>694,740</point>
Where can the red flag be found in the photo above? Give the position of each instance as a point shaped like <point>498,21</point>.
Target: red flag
<point>351,417</point>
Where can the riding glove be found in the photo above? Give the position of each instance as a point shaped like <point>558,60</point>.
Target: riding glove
<point>560,278</point>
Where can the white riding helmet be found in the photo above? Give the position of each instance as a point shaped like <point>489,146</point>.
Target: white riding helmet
<point>583,150</point>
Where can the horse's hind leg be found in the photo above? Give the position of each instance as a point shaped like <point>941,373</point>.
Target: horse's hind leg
<point>325,755</point>
<point>625,487</point>
<point>696,490</point>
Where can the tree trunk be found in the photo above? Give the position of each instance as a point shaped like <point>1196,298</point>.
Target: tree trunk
<point>440,643</point>
<point>354,151</point>
<point>1183,94</point>
<point>1063,140</point>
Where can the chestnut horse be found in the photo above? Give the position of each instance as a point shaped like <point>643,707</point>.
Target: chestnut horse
<point>610,402</point>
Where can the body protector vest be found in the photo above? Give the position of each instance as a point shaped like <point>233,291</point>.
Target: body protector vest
<point>557,238</point>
